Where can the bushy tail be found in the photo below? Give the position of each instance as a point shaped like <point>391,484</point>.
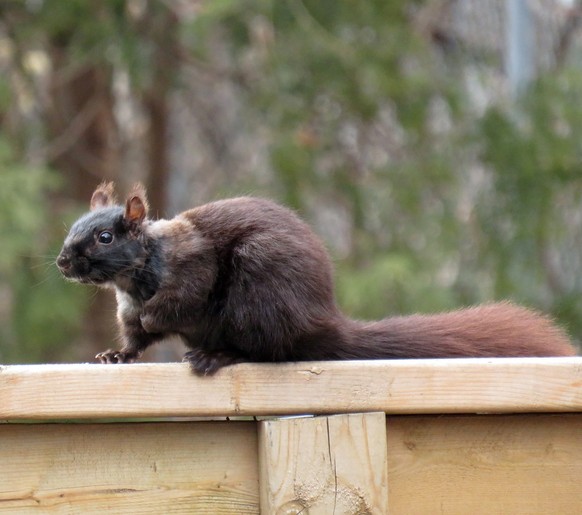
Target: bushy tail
<point>491,330</point>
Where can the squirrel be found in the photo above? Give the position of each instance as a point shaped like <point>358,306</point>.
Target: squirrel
<point>246,280</point>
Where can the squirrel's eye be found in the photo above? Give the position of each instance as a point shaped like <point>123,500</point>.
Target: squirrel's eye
<point>105,237</point>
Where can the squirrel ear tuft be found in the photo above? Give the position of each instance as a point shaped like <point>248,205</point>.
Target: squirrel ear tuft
<point>136,205</point>
<point>103,196</point>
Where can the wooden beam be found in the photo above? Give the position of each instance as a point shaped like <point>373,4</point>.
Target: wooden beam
<point>518,464</point>
<point>508,385</point>
<point>205,467</point>
<point>321,465</point>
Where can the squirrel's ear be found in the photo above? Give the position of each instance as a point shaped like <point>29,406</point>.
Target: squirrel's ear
<point>136,205</point>
<point>103,196</point>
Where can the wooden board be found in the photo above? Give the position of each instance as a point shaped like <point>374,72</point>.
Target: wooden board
<point>324,465</point>
<point>204,467</point>
<point>42,392</point>
<point>456,465</point>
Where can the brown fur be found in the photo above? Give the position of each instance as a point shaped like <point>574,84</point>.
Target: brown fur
<point>501,329</point>
<point>245,279</point>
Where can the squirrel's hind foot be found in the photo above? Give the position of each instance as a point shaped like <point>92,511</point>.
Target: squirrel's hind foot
<point>206,363</point>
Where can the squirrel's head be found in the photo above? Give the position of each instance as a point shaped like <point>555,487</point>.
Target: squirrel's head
<point>107,243</point>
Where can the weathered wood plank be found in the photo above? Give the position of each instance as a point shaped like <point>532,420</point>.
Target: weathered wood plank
<point>322,465</point>
<point>406,387</point>
<point>455,465</point>
<point>203,467</point>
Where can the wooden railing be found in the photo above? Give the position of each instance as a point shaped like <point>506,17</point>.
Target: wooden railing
<point>491,436</point>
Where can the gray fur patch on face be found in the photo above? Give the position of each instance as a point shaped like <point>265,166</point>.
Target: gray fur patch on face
<point>99,219</point>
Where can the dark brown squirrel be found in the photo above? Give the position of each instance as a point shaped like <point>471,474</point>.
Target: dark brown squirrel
<point>246,280</point>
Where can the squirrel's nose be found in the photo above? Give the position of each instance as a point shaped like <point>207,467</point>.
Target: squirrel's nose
<point>64,262</point>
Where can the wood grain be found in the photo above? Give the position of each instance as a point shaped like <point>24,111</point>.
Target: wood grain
<point>505,385</point>
<point>455,465</point>
<point>324,465</point>
<point>151,468</point>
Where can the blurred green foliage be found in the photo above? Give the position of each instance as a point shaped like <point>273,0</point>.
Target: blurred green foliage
<point>41,312</point>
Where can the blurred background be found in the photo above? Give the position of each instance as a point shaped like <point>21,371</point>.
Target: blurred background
<point>436,146</point>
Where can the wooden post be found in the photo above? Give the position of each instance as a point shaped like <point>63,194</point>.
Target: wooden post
<point>321,465</point>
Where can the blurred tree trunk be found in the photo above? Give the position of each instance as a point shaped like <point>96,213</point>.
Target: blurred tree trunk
<point>156,106</point>
<point>82,145</point>
<point>81,123</point>
<point>161,32</point>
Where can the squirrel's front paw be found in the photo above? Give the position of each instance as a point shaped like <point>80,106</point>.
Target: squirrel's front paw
<point>116,356</point>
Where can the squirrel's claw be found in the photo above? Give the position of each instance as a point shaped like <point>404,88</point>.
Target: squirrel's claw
<point>114,356</point>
